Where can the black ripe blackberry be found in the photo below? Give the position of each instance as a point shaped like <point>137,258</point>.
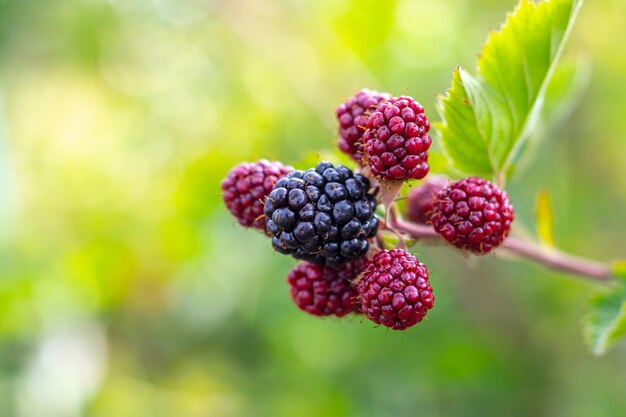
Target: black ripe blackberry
<point>323,215</point>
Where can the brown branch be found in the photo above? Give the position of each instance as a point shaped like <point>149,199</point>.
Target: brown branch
<point>551,258</point>
<point>559,260</point>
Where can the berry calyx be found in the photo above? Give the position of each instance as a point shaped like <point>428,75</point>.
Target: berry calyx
<point>421,199</point>
<point>245,187</point>
<point>473,214</point>
<point>324,290</point>
<point>352,116</point>
<point>394,290</point>
<point>396,140</point>
<point>324,215</point>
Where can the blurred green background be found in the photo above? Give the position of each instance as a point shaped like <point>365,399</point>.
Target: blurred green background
<point>127,290</point>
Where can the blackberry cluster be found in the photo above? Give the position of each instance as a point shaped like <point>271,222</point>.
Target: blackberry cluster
<point>394,290</point>
<point>245,187</point>
<point>473,214</point>
<point>323,215</point>
<point>396,140</point>
<point>325,290</point>
<point>352,116</point>
<point>421,199</point>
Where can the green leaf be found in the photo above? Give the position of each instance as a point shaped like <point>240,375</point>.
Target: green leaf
<point>545,219</point>
<point>606,324</point>
<point>459,131</point>
<point>570,79</point>
<point>487,118</point>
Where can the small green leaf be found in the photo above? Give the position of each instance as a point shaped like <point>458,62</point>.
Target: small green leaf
<point>487,118</point>
<point>459,131</point>
<point>545,219</point>
<point>606,324</point>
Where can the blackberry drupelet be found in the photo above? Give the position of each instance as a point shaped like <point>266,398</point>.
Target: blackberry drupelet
<point>473,214</point>
<point>323,215</point>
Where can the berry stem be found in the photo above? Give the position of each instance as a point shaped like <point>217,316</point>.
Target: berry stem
<point>551,258</point>
<point>558,260</point>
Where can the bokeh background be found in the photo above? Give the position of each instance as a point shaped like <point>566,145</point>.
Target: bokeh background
<point>127,290</point>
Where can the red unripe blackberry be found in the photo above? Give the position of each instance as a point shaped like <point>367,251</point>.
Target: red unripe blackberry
<point>246,185</point>
<point>394,290</point>
<point>473,214</point>
<point>396,140</point>
<point>420,200</point>
<point>352,116</point>
<point>325,290</point>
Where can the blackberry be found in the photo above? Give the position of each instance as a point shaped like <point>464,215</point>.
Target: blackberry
<point>352,116</point>
<point>323,215</point>
<point>325,290</point>
<point>420,200</point>
<point>246,185</point>
<point>396,140</point>
<point>473,214</point>
<point>394,290</point>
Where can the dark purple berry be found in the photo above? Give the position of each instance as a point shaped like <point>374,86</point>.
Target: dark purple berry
<point>324,215</point>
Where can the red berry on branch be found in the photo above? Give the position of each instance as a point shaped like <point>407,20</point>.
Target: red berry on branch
<point>421,199</point>
<point>245,187</point>
<point>324,290</point>
<point>352,116</point>
<point>473,214</point>
<point>394,290</point>
<point>396,140</point>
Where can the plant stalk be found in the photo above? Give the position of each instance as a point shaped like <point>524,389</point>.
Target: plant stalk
<point>551,258</point>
